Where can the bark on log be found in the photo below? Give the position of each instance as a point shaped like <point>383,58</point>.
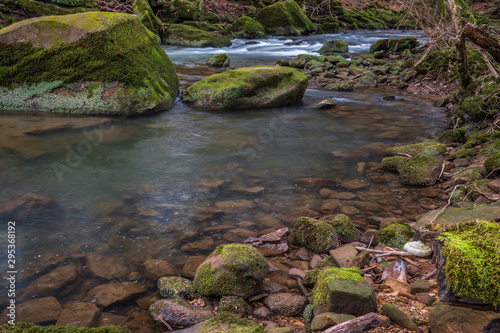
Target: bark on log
<point>357,325</point>
<point>483,39</point>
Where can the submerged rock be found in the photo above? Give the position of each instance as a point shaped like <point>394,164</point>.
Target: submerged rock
<point>285,18</point>
<point>87,63</point>
<point>21,206</point>
<point>231,270</point>
<point>79,314</point>
<point>248,87</point>
<point>107,294</point>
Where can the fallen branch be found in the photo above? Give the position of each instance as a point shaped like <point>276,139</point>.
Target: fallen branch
<point>357,325</point>
<point>380,253</point>
<point>431,274</point>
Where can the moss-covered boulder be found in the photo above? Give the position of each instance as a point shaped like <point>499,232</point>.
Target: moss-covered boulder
<point>468,262</point>
<point>393,163</point>
<point>219,60</point>
<point>427,148</point>
<point>248,87</point>
<point>88,63</point>
<point>183,10</point>
<point>227,322</point>
<point>248,28</point>
<point>312,274</point>
<point>420,170</point>
<point>329,27</point>
<point>231,270</point>
<point>334,46</point>
<point>492,163</point>
<point>285,18</point>
<point>457,215</point>
<point>395,234</point>
<point>175,286</point>
<point>185,35</point>
<point>34,8</point>
<point>315,235</point>
<point>148,18</point>
<point>343,290</point>
<point>345,229</point>
<point>394,44</point>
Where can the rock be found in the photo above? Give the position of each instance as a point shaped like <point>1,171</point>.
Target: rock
<point>185,35</point>
<point>248,87</point>
<point>47,128</point>
<point>179,313</point>
<point>420,286</point>
<point>21,206</point>
<point>394,44</point>
<point>86,72</point>
<point>346,231</point>
<point>458,215</point>
<point>141,321</point>
<point>398,316</point>
<point>143,10</point>
<point>328,319</point>
<point>234,207</point>
<point>231,270</point>
<point>394,163</point>
<point>427,148</point>
<point>191,265</point>
<point>107,267</point>
<point>355,184</point>
<point>234,304</point>
<point>395,234</point>
<point>285,18</point>
<point>494,185</point>
<point>493,326</point>
<point>344,256</point>
<point>204,244</point>
<point>247,28</point>
<point>270,244</point>
<point>183,10</point>
<point>343,290</point>
<point>315,235</point>
<point>395,269</point>
<point>418,249</point>
<point>261,312</point>
<point>325,104</point>
<point>397,285</point>
<point>175,287</point>
<point>64,7</point>
<point>107,294</point>
<point>329,27</point>
<point>79,314</point>
<point>107,319</point>
<point>269,287</point>
<point>37,310</point>
<point>155,269</point>
<point>53,281</point>
<point>492,163</point>
<point>225,322</point>
<point>314,183</point>
<point>420,170</point>
<point>445,318</point>
<point>211,186</point>
<point>238,235</point>
<point>334,46</point>
<point>219,60</point>
<point>369,237</point>
<point>286,304</point>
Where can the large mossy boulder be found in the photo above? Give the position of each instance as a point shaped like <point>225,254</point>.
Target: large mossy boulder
<point>34,8</point>
<point>420,170</point>
<point>227,322</point>
<point>231,270</point>
<point>147,16</point>
<point>88,63</point>
<point>285,18</point>
<point>345,229</point>
<point>457,215</point>
<point>468,263</point>
<point>334,46</point>
<point>248,87</point>
<point>343,290</point>
<point>247,28</point>
<point>317,236</point>
<point>394,44</point>
<point>427,148</point>
<point>183,10</point>
<point>185,35</point>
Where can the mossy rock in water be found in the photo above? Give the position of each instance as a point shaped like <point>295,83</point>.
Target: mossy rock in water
<point>88,63</point>
<point>248,28</point>
<point>394,44</point>
<point>285,18</point>
<point>420,170</point>
<point>334,46</point>
<point>248,87</point>
<point>227,322</point>
<point>183,10</point>
<point>393,163</point>
<point>472,265</point>
<point>185,35</point>
<point>32,328</point>
<point>35,8</point>
<point>317,236</point>
<point>427,148</point>
<point>147,16</point>
<point>231,270</point>
<point>492,163</point>
<point>345,229</point>
<point>395,234</point>
<point>219,60</point>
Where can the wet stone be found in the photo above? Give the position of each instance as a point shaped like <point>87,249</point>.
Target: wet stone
<point>53,281</point>
<point>355,184</point>
<point>344,256</point>
<point>239,235</point>
<point>204,244</point>
<point>420,286</point>
<point>107,294</point>
<point>79,314</point>
<point>234,207</point>
<point>154,269</point>
<point>107,267</point>
<point>261,312</point>
<point>179,313</point>
<point>38,311</point>
<point>106,319</point>
<point>286,304</point>
<point>47,128</point>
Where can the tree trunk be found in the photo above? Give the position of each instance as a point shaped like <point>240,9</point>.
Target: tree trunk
<point>482,38</point>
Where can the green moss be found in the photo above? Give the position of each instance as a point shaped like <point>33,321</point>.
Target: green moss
<point>175,286</point>
<point>320,291</point>
<point>147,16</point>
<point>393,163</point>
<point>312,274</point>
<point>455,135</point>
<point>395,234</point>
<point>315,235</point>
<point>235,305</point>
<point>33,328</point>
<point>229,323</point>
<point>492,163</point>
<point>219,60</point>
<point>184,10</point>
<point>334,46</point>
<point>184,35</point>
<point>248,28</point>
<point>285,18</point>
<point>343,226</point>
<point>427,148</point>
<point>473,260</point>
<point>463,153</point>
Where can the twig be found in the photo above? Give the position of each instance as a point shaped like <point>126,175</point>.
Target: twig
<point>449,203</point>
<point>165,323</point>
<point>371,240</point>
<point>431,274</point>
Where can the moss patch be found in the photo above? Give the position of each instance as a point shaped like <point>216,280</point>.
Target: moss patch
<point>343,226</point>
<point>473,260</point>
<point>185,35</point>
<point>312,274</point>
<point>248,28</point>
<point>229,323</point>
<point>427,148</point>
<point>317,236</point>
<point>285,18</point>
<point>395,234</point>
<point>320,291</point>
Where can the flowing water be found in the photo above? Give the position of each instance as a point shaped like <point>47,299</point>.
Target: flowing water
<point>180,182</point>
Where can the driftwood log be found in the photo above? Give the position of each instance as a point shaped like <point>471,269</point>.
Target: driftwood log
<point>481,37</point>
<point>357,325</point>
